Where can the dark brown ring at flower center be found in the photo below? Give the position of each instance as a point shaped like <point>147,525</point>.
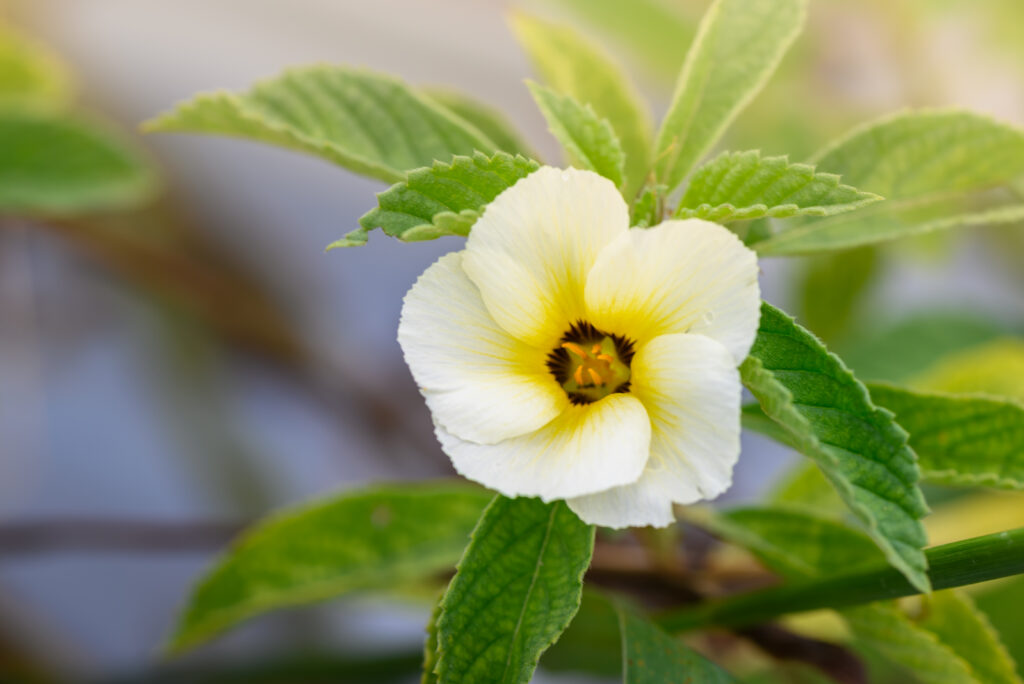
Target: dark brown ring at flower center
<point>590,364</point>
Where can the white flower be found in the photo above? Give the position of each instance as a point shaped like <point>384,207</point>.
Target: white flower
<point>565,356</point>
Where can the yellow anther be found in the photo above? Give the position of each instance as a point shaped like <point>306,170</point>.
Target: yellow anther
<point>578,375</point>
<point>596,349</point>
<point>606,357</point>
<point>595,376</point>
<point>576,349</point>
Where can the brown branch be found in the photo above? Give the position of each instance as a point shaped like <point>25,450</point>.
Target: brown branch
<point>98,535</point>
<point>833,660</point>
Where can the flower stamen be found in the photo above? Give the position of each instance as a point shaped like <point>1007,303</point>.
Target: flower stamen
<point>590,364</point>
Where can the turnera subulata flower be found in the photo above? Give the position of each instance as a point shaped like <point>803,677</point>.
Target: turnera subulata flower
<point>565,356</point>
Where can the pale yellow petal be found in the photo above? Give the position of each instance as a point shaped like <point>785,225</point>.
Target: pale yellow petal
<point>680,276</point>
<point>643,503</point>
<point>480,383</point>
<point>587,449</point>
<point>530,252</point>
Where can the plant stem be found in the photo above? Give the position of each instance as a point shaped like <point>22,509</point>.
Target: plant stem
<point>952,565</point>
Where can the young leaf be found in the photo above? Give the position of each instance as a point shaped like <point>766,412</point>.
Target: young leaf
<point>738,47</point>
<point>961,439</point>
<point>516,589</point>
<point>589,140</point>
<point>370,539</point>
<point>927,164</point>
<point>830,418</point>
<point>57,164</point>
<point>488,120</point>
<point>30,74</point>
<point>572,64</point>
<point>739,186</point>
<point>369,123</point>
<point>444,199</point>
<point>650,656</point>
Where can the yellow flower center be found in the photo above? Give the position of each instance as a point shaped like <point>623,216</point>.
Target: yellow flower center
<point>590,364</point>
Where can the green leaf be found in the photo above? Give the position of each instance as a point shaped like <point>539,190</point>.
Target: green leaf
<point>516,589</point>
<point>832,288</point>
<point>572,64</point>
<point>56,164</point>
<point>487,120</point>
<point>648,208</point>
<point>931,167</point>
<point>367,122</point>
<point>369,539</point>
<point>650,656</point>
<point>430,648</point>
<point>996,367</point>
<point>738,47</point>
<point>588,139</point>
<point>961,439</point>
<point>739,186</point>
<point>1001,604</point>
<point>804,486</point>
<point>592,642</point>
<point>31,74</point>
<point>444,199</point>
<point>830,418</point>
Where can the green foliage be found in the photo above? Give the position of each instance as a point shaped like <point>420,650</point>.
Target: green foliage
<point>30,74</point>
<point>738,186</point>
<point>1001,604</point>
<point>516,589</point>
<point>369,539</point>
<point>444,199</point>
<point>59,164</point>
<point>738,46</point>
<point>804,486</point>
<point>592,642</point>
<point>648,209</point>
<point>961,439</point>
<point>996,367</point>
<point>650,656</point>
<point>831,288</point>
<point>367,122</point>
<point>487,120</point>
<point>588,139</point>
<point>571,64</point>
<point>830,418</point>
<point>931,166</point>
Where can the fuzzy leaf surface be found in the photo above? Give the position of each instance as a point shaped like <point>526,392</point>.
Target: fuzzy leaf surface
<point>588,139</point>
<point>740,186</point>
<point>443,199</point>
<point>368,539</point>
<point>829,417</point>
<point>369,123</point>
<point>968,440</point>
<point>937,169</point>
<point>651,656</point>
<point>738,47</point>
<point>516,589</point>
<point>570,63</point>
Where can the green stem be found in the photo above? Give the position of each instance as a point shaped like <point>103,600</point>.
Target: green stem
<point>952,565</point>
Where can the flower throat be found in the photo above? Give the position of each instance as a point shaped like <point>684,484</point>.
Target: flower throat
<point>590,364</point>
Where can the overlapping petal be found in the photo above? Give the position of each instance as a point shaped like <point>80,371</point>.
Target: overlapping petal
<point>479,382</point>
<point>531,250</point>
<point>679,276</point>
<point>643,503</point>
<point>586,449</point>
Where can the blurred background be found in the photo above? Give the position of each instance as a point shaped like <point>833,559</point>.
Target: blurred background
<point>169,373</point>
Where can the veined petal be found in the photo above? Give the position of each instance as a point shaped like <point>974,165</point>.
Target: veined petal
<point>680,276</point>
<point>588,448</point>
<point>480,383</point>
<point>691,389</point>
<point>531,250</point>
<point>639,504</point>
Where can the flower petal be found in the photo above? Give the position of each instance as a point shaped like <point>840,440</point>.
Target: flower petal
<point>691,389</point>
<point>639,504</point>
<point>531,250</point>
<point>680,276</point>
<point>479,382</point>
<point>587,449</point>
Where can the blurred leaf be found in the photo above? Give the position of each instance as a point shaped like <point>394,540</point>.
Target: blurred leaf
<point>571,64</point>
<point>831,287</point>
<point>961,439</point>
<point>591,643</point>
<point>653,657</point>
<point>369,123</point>
<point>31,74</point>
<point>738,186</point>
<point>648,208</point>
<point>516,589</point>
<point>370,539</point>
<point>829,416</point>
<point>930,167</point>
<point>1001,604</point>
<point>805,486</point>
<point>588,139</point>
<point>994,368</point>
<point>487,120</point>
<point>898,351</point>
<point>443,199</point>
<point>789,673</point>
<point>738,47</point>
<point>57,165</point>
<point>430,647</point>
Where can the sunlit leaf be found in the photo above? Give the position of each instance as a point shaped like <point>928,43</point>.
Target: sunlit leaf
<point>31,74</point>
<point>996,367</point>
